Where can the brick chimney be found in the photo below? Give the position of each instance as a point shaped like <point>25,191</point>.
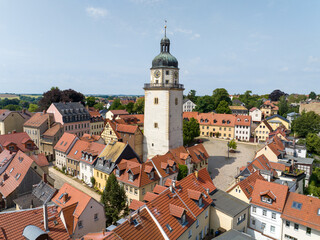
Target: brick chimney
<point>44,178</point>
<point>65,197</point>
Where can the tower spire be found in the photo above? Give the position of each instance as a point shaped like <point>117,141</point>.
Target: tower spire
<point>165,28</point>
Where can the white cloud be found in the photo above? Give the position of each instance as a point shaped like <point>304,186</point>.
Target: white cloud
<point>187,32</point>
<point>145,1</point>
<point>313,59</point>
<point>284,69</point>
<point>96,12</point>
<point>257,35</point>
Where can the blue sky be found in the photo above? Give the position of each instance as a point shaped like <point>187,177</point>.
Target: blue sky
<point>106,47</point>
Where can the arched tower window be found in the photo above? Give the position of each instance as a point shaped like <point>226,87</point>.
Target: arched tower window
<point>156,100</point>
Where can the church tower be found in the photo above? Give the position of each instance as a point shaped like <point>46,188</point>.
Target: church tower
<point>163,104</point>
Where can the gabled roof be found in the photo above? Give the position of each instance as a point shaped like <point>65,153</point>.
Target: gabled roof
<point>90,137</point>
<point>238,108</point>
<point>40,159</point>
<point>19,139</point>
<point>254,108</point>
<point>159,189</point>
<point>278,166</point>
<point>12,177</point>
<point>276,145</point>
<point>189,115</point>
<point>243,120</point>
<point>53,130</point>
<point>135,204</point>
<point>64,143</point>
<point>160,162</point>
<point>275,191</point>
<point>119,112</point>
<point>141,177</point>
<point>149,197</point>
<point>277,116</point>
<point>269,103</point>
<point>126,128</point>
<point>12,224</point>
<point>198,153</point>
<point>38,119</point>
<point>205,180</point>
<point>306,214</point>
<point>179,154</point>
<point>176,211</point>
<point>247,185</point>
<point>216,119</point>
<point>267,125</point>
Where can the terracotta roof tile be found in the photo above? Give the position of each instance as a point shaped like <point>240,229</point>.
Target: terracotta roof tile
<point>90,137</point>
<point>159,189</point>
<point>279,193</point>
<point>65,142</point>
<point>195,195</point>
<point>307,215</point>
<point>189,115</point>
<point>126,128</point>
<point>149,196</point>
<point>176,211</point>
<point>278,166</point>
<point>40,159</point>
<point>119,112</point>
<point>160,162</point>
<point>205,180</point>
<point>198,153</point>
<point>135,204</point>
<point>215,119</point>
<point>243,120</point>
<point>38,119</point>
<point>53,130</point>
<point>19,139</point>
<point>148,168</point>
<point>13,223</point>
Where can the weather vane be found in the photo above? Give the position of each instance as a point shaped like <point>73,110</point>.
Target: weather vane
<point>165,28</point>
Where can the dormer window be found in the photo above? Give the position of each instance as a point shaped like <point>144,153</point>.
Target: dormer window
<point>266,200</point>
<point>82,156</point>
<point>87,157</point>
<point>183,219</point>
<point>91,158</point>
<point>215,121</point>
<point>200,204</point>
<point>151,175</point>
<point>174,167</point>
<point>238,119</point>
<point>206,120</point>
<point>167,170</point>
<point>117,173</point>
<point>130,177</point>
<point>223,121</point>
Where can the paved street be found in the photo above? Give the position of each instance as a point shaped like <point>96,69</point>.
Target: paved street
<point>221,168</point>
<point>60,179</point>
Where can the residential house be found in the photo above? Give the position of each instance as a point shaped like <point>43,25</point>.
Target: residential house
<point>49,139</point>
<point>132,119</point>
<point>239,110</point>
<point>267,205</point>
<point>96,123</point>
<point>281,132</point>
<point>62,149</point>
<point>273,150</point>
<point>255,114</point>
<point>112,154</point>
<point>37,125</point>
<point>12,121</point>
<point>216,125</point>
<point>188,105</point>
<point>79,212</point>
<point>18,141</point>
<point>130,134</point>
<point>303,164</point>
<point>165,167</point>
<point>243,189</point>
<point>188,115</point>
<point>263,130</point>
<point>301,217</point>
<point>41,194</point>
<point>294,149</point>
<point>276,121</point>
<point>73,116</point>
<point>137,178</point>
<point>92,138</point>
<point>242,127</point>
<point>18,174</point>
<point>42,161</point>
<point>228,212</point>
<point>113,114</point>
<point>292,116</point>
<point>268,109</point>
<point>81,159</point>
<point>88,154</point>
<point>36,223</point>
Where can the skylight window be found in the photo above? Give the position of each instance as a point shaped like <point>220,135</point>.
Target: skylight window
<point>61,196</point>
<point>318,211</point>
<point>135,222</point>
<point>18,176</point>
<point>65,144</point>
<point>75,152</point>
<point>11,170</point>
<point>61,143</point>
<point>169,227</point>
<point>297,205</point>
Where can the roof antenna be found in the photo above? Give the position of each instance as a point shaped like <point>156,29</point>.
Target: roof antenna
<point>165,28</point>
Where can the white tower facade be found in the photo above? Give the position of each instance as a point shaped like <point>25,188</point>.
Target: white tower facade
<point>163,105</point>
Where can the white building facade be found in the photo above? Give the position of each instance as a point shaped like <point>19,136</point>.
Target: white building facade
<point>265,222</point>
<point>163,105</point>
<point>255,114</point>
<point>188,105</point>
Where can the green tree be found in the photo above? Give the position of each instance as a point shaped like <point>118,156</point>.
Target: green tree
<point>217,134</point>
<point>219,95</point>
<point>313,95</point>
<point>204,104</point>
<point>93,181</point>
<point>139,106</point>
<point>223,107</point>
<point>192,96</point>
<point>314,183</point>
<point>191,129</point>
<point>98,106</point>
<point>283,106</point>
<point>33,107</point>
<point>232,144</point>
<point>90,101</point>
<point>116,105</point>
<point>12,107</point>
<point>115,200</point>
<point>129,107</point>
<point>306,123</point>
<point>183,172</point>
<point>313,143</point>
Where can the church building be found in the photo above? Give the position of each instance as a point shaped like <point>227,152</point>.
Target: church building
<point>163,104</point>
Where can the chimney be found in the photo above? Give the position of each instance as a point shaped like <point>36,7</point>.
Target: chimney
<point>208,191</point>
<point>44,177</point>
<point>174,183</point>
<point>65,197</point>
<point>196,173</point>
<point>171,189</point>
<point>45,217</point>
<point>14,131</point>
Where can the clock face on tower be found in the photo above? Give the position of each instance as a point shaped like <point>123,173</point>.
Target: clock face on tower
<point>157,73</point>
<point>176,75</point>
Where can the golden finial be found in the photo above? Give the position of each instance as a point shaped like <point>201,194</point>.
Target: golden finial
<point>165,28</point>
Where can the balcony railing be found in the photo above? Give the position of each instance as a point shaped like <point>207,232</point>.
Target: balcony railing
<point>163,85</point>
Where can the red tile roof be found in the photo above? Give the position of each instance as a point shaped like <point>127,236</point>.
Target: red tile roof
<point>53,130</point>
<point>273,190</point>
<point>40,159</point>
<point>247,185</point>
<point>126,128</point>
<point>159,189</point>
<point>38,119</point>
<point>141,177</point>
<point>179,155</point>
<point>198,153</point>
<point>189,115</point>
<point>195,195</point>
<point>94,114</point>
<point>176,211</point>
<point>278,166</point>
<point>13,223</point>
<point>101,236</point>
<point>276,145</point>
<point>90,137</point>
<point>65,142</point>
<point>205,180</point>
<point>12,177</point>
<point>135,204</point>
<point>308,214</point>
<point>149,196</point>
<point>161,162</point>
<point>215,119</point>
<point>269,103</point>
<point>119,112</point>
<point>243,120</point>
<point>19,139</point>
